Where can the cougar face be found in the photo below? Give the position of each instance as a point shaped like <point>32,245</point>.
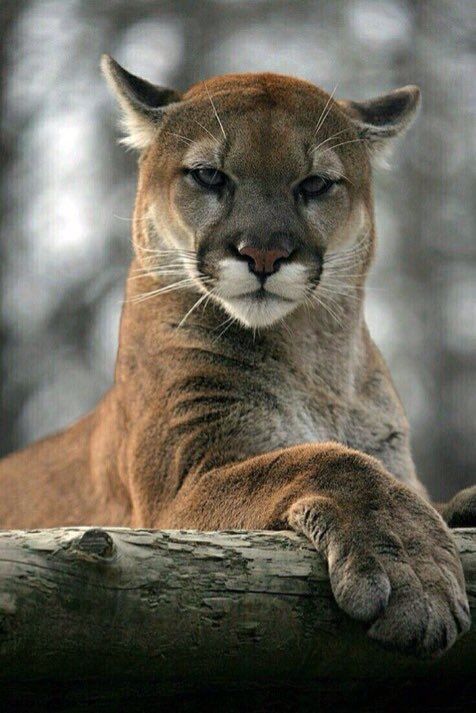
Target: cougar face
<point>253,184</point>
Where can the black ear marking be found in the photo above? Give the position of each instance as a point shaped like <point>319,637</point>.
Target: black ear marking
<point>143,103</point>
<point>386,116</point>
<point>142,94</point>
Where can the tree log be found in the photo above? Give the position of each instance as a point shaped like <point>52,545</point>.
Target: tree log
<point>191,610</point>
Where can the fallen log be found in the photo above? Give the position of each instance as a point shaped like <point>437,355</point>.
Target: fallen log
<point>134,610</point>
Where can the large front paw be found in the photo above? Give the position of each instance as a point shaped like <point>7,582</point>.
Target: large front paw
<point>461,510</point>
<point>393,565</point>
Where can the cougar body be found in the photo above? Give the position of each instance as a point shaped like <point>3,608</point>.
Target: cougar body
<point>248,392</point>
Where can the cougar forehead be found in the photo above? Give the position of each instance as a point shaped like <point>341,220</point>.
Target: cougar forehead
<point>263,121</point>
<point>246,92</point>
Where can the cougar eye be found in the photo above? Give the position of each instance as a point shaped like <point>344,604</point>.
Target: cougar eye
<point>314,186</point>
<point>210,178</point>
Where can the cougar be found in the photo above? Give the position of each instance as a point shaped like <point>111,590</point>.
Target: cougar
<point>248,392</point>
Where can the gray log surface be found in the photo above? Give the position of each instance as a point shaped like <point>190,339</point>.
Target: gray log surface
<point>193,609</point>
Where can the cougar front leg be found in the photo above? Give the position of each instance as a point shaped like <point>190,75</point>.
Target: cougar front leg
<point>392,561</point>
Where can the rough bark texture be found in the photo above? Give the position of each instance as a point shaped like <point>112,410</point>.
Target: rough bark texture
<point>189,610</point>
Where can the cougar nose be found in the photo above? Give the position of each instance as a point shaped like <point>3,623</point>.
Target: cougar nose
<point>264,262</point>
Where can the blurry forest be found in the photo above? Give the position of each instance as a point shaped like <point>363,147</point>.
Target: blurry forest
<point>68,189</point>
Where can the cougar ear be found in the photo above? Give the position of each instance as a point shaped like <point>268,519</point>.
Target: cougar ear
<point>383,118</point>
<point>142,103</point>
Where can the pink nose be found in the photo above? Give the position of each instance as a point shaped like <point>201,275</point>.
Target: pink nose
<point>264,262</point>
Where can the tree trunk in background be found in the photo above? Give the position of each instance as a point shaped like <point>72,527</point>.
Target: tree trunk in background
<point>10,10</point>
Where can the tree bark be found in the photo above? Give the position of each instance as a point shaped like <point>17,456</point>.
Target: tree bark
<point>190,610</point>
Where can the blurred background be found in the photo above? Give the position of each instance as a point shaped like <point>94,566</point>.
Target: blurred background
<point>68,190</point>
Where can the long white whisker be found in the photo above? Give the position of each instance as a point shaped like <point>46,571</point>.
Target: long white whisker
<point>339,174</point>
<point>286,326</point>
<point>325,111</point>
<point>343,143</point>
<point>334,136</point>
<point>134,219</point>
<point>334,293</point>
<point>157,266</point>
<point>207,130</point>
<point>153,273</point>
<point>179,136</point>
<point>360,245</point>
<point>162,290</point>
<point>325,306</point>
<point>228,322</point>
<point>194,306</point>
<point>158,251</point>
<point>332,298</point>
<point>216,113</point>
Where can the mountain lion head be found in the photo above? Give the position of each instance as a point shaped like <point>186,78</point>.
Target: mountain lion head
<point>253,187</point>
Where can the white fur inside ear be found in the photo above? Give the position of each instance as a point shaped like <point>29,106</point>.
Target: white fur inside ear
<point>380,144</point>
<point>138,129</point>
<point>381,153</point>
<point>139,126</point>
<point>381,120</point>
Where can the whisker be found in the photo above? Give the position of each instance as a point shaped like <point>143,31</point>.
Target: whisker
<point>338,283</point>
<point>172,255</point>
<point>332,312</point>
<point>337,271</point>
<point>343,143</point>
<point>357,247</point>
<point>194,306</point>
<point>159,265</point>
<point>179,136</point>
<point>351,262</point>
<point>325,111</point>
<point>225,321</point>
<point>210,295</point>
<point>286,326</point>
<point>339,259</point>
<point>134,219</point>
<point>168,288</point>
<point>228,322</point>
<point>332,298</point>
<point>164,266</point>
<point>339,174</point>
<point>334,292</point>
<point>159,273</point>
<point>344,267</point>
<point>328,309</point>
<point>160,251</point>
<point>351,286</point>
<point>180,259</point>
<point>163,273</point>
<point>216,113</point>
<point>338,133</point>
<point>207,130</point>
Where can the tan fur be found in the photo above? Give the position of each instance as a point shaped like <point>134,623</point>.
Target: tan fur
<point>214,425</point>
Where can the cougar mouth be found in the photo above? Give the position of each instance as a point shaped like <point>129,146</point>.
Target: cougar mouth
<point>261,294</point>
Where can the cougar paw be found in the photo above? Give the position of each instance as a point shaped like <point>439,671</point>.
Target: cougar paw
<point>461,510</point>
<point>401,574</point>
<point>427,609</point>
<point>360,585</point>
